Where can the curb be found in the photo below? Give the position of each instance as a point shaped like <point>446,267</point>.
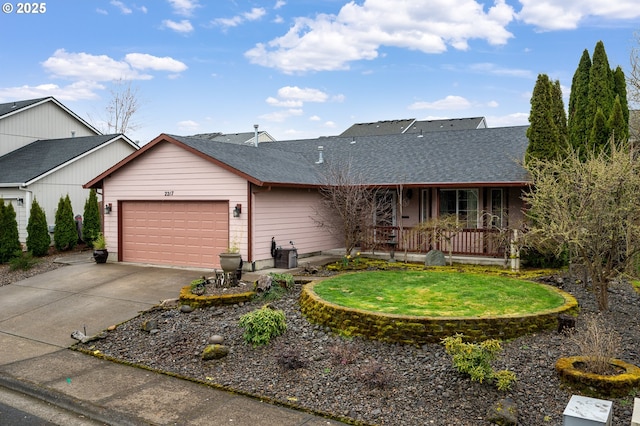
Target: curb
<point>68,403</point>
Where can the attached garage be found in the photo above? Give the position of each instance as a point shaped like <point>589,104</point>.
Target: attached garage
<point>177,233</point>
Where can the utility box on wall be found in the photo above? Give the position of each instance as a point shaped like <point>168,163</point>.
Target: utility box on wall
<point>286,258</point>
<point>584,411</point>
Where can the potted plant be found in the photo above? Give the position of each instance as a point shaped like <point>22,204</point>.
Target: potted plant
<point>230,258</point>
<point>100,253</point>
<point>198,286</point>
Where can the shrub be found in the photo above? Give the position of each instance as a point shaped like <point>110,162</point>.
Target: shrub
<point>343,354</point>
<point>65,236</point>
<point>263,324</point>
<point>290,358</point>
<point>374,375</point>
<point>9,240</point>
<point>475,359</point>
<point>597,343</point>
<point>91,226</point>
<point>38,238</point>
<point>24,261</point>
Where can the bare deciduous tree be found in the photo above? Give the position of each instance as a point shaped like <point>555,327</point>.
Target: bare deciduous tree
<point>348,206</point>
<point>633,84</point>
<point>591,207</point>
<point>123,105</point>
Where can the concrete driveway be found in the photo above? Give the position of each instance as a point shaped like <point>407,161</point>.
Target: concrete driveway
<point>47,308</point>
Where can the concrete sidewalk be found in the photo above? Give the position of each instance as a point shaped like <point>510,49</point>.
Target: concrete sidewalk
<point>37,316</point>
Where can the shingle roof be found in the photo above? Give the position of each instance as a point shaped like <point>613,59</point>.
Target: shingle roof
<point>387,127</point>
<point>10,107</point>
<point>33,160</point>
<point>448,124</point>
<point>478,156</point>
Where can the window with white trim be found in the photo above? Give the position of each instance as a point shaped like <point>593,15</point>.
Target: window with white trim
<point>463,203</point>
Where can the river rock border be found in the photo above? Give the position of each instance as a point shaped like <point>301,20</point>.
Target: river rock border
<point>419,330</point>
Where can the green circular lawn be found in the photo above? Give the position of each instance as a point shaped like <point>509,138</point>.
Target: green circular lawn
<point>438,294</point>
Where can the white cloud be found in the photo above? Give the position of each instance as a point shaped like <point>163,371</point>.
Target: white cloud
<point>183,26</point>
<point>330,124</point>
<point>448,103</point>
<point>489,68</point>
<point>567,14</point>
<point>123,8</point>
<point>86,67</point>
<point>76,91</point>
<point>253,15</point>
<point>493,104</point>
<point>280,116</point>
<point>295,97</point>
<point>102,11</point>
<point>315,118</point>
<point>279,4</point>
<point>188,125</point>
<point>515,119</point>
<point>330,42</point>
<point>184,7</point>
<point>306,94</point>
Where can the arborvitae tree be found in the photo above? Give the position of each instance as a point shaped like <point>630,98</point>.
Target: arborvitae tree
<point>578,103</point>
<point>65,236</point>
<point>558,113</point>
<point>620,90</point>
<point>599,132</point>
<point>9,239</point>
<point>91,226</point>
<point>38,238</point>
<point>600,84</point>
<point>544,136</point>
<point>617,126</point>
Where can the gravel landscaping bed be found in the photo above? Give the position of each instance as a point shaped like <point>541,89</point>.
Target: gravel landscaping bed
<point>367,382</point>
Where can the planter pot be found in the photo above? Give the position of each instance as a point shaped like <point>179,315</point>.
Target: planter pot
<point>230,262</point>
<point>617,385</point>
<point>100,256</point>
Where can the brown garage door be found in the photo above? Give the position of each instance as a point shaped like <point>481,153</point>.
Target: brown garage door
<point>178,233</point>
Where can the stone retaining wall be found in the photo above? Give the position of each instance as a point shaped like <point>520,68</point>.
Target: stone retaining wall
<point>188,298</point>
<point>419,330</point>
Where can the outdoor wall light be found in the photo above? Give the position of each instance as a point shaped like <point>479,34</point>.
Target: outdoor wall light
<point>107,208</point>
<point>20,201</point>
<point>237,210</point>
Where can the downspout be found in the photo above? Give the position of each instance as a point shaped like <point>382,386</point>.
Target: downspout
<point>28,201</point>
<point>250,227</point>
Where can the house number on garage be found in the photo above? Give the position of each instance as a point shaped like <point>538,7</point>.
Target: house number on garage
<point>168,193</point>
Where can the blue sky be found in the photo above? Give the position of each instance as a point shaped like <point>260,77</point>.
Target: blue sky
<point>303,68</point>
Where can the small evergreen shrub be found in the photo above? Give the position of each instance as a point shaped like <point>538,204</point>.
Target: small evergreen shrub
<point>91,226</point>
<point>38,238</point>
<point>9,239</point>
<point>23,261</point>
<point>65,236</point>
<point>475,359</point>
<point>263,324</point>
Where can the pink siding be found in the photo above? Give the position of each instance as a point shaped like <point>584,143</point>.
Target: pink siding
<point>170,173</point>
<point>287,215</point>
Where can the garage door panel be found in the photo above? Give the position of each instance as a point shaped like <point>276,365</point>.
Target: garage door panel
<point>174,232</point>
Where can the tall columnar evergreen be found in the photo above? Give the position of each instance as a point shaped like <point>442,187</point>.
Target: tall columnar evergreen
<point>578,103</point>
<point>620,90</point>
<point>65,236</point>
<point>38,238</point>
<point>594,88</point>
<point>9,239</point>
<point>547,130</point>
<point>599,132</point>
<point>91,226</point>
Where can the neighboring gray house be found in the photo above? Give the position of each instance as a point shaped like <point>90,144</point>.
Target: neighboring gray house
<point>47,152</point>
<point>411,125</point>
<point>246,138</point>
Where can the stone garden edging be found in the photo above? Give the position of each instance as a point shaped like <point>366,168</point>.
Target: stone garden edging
<point>419,330</point>
<point>618,385</point>
<point>206,300</point>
